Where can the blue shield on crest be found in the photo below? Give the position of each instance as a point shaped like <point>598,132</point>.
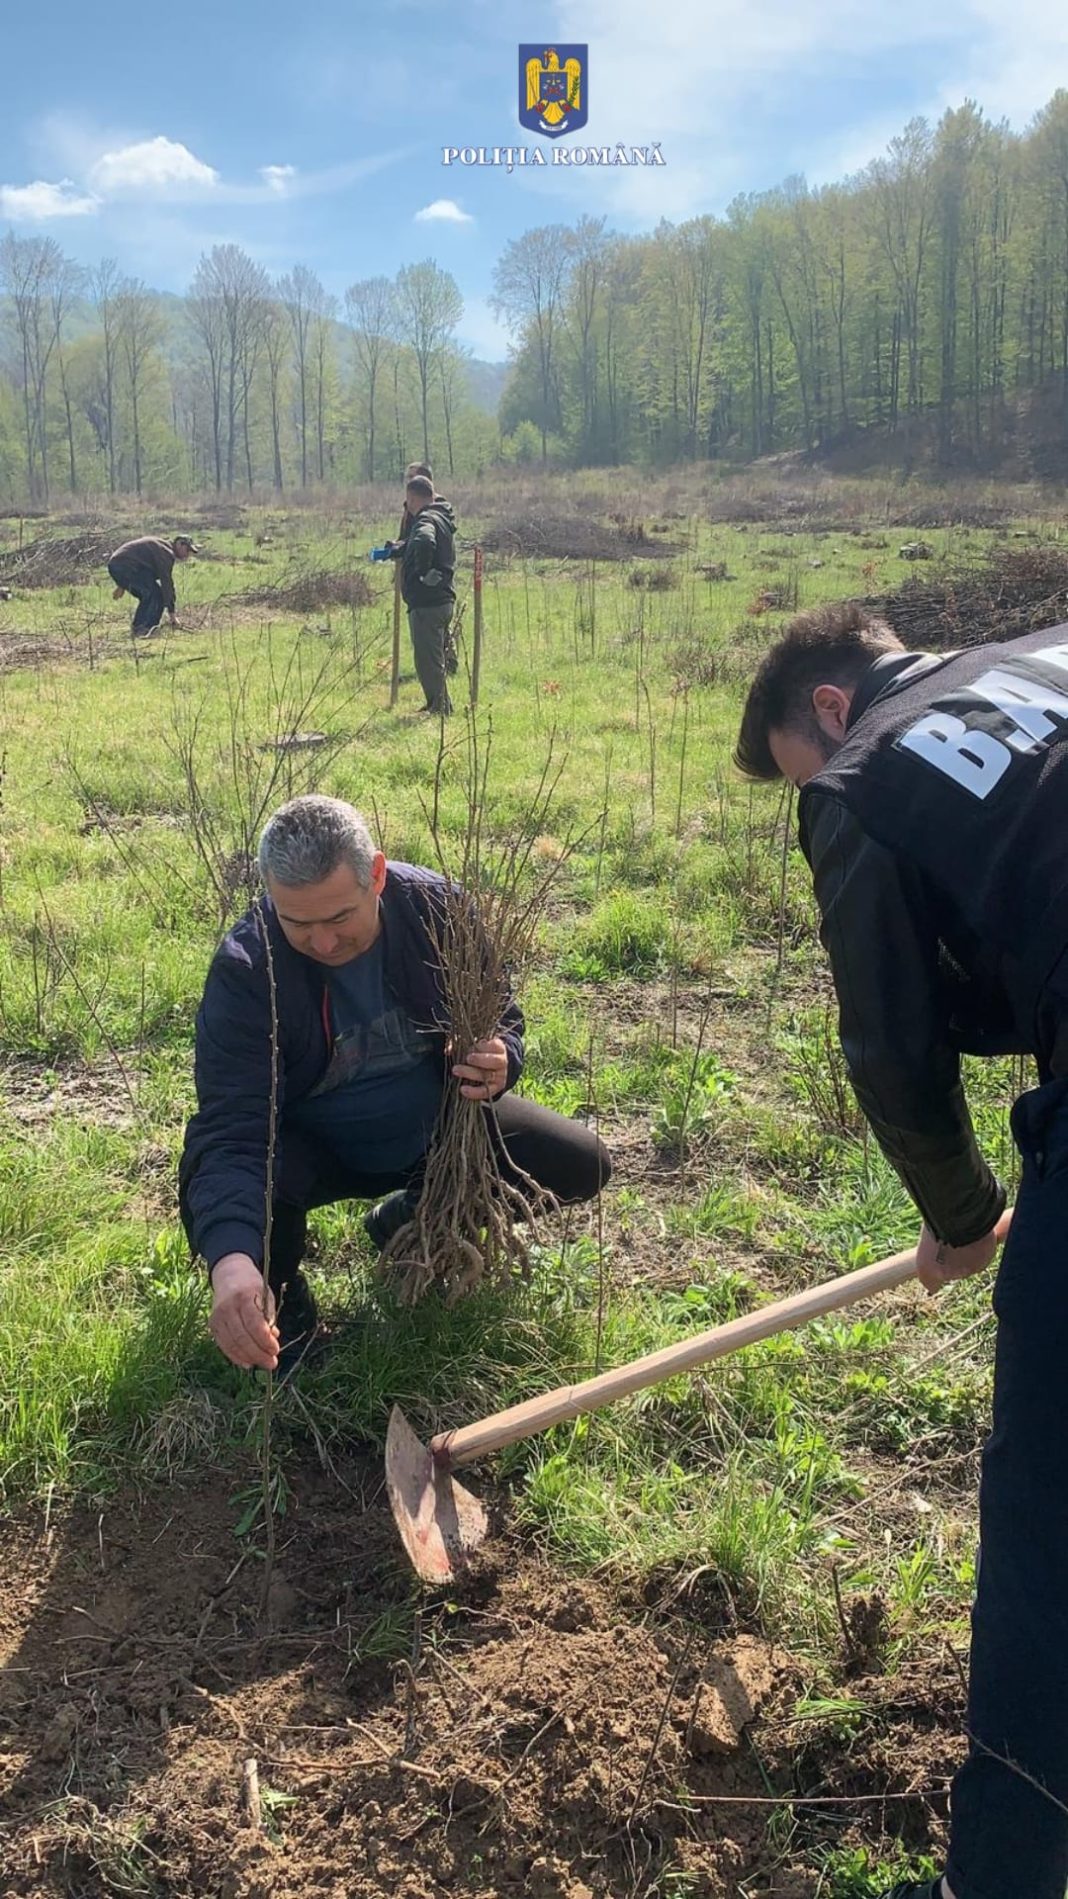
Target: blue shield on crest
<point>553,89</point>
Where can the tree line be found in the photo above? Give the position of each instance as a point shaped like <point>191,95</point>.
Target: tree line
<point>244,382</point>
<point>922,298</point>
<point>923,294</point>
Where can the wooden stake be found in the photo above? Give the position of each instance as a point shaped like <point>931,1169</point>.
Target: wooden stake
<point>476,655</point>
<point>394,682</point>
<point>252,1795</point>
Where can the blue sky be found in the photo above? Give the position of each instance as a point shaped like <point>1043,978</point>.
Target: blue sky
<point>314,135</point>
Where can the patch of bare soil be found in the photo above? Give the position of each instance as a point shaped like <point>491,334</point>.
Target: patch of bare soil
<point>21,649</point>
<point>538,1739</point>
<point>96,1093</point>
<point>25,650</point>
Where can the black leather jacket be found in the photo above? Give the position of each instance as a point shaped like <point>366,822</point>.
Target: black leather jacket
<point>909,1004</point>
<point>900,1033</point>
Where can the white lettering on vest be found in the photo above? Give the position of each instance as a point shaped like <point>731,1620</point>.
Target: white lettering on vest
<point>974,760</point>
<point>1027,702</point>
<point>1055,656</point>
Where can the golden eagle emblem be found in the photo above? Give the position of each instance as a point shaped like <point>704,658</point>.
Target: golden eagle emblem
<point>552,89</point>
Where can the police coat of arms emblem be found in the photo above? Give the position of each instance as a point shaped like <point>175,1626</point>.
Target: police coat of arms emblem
<point>553,89</point>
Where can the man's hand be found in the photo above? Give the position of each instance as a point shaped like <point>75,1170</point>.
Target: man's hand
<point>239,1325</point>
<point>483,1073</point>
<point>938,1264</point>
<point>118,593</point>
<point>173,617</point>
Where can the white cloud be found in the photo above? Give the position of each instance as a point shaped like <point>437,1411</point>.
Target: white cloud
<point>34,203</point>
<point>443,211</point>
<point>1009,64</point>
<point>717,80</point>
<point>111,166</point>
<point>278,178</point>
<point>1015,58</point>
<point>154,165</point>
<point>316,184</point>
<point>852,148</point>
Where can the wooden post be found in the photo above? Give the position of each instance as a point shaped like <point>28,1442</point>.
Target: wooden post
<point>476,654</point>
<point>394,681</point>
<point>253,1802</point>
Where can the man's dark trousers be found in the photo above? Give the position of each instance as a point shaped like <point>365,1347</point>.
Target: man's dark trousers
<point>562,1155</point>
<point>1008,1834</point>
<point>429,626</point>
<point>145,587</point>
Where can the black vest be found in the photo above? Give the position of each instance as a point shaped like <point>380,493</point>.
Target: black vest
<point>962,770</point>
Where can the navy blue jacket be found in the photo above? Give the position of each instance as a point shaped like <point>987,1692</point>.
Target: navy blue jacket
<point>223,1171</point>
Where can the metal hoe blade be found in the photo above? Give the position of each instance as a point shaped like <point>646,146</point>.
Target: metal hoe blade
<point>440,1522</point>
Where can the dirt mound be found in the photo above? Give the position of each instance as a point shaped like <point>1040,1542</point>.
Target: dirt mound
<point>525,1735</point>
<point>534,1740</point>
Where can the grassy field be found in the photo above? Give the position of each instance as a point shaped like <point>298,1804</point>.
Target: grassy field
<point>801,1517</point>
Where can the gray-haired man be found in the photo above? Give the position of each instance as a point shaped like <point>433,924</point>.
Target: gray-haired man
<point>363,1058</point>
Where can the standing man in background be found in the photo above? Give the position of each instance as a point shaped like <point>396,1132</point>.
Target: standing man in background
<point>424,468</point>
<point>428,562</point>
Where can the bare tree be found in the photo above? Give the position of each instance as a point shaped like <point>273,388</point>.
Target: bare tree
<point>230,295</point>
<point>452,372</point>
<point>40,282</point>
<point>105,281</point>
<point>188,390</point>
<point>588,249</point>
<point>398,353</point>
<point>68,416</point>
<point>65,285</point>
<point>209,322</point>
<point>322,350</point>
<point>276,341</point>
<point>371,310</point>
<point>903,194</point>
<point>529,286</point>
<point>140,330</point>
<point>249,340</point>
<point>431,307</point>
<point>302,294</point>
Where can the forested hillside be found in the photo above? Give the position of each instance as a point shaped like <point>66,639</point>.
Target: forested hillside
<point>916,313</point>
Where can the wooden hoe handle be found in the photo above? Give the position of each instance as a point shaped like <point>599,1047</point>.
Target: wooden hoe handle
<point>453,1448</point>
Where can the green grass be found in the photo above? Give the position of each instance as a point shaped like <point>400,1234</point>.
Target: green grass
<point>854,1873</point>
<point>133,786</point>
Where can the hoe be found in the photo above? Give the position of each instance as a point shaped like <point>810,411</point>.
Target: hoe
<point>442,1524</point>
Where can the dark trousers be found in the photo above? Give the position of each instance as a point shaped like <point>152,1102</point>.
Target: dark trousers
<point>145,587</point>
<point>1008,1835</point>
<point>429,627</point>
<point>560,1154</point>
